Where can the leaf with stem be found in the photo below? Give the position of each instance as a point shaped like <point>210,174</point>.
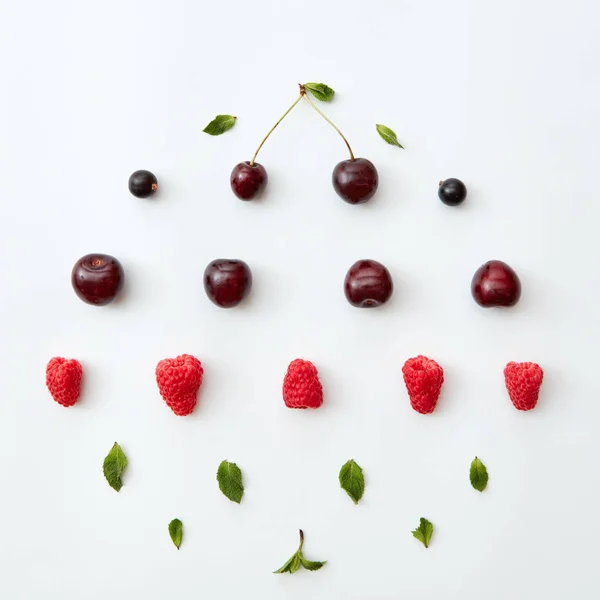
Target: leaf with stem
<point>297,559</point>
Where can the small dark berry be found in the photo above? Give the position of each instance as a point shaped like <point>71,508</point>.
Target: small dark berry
<point>452,192</point>
<point>142,183</point>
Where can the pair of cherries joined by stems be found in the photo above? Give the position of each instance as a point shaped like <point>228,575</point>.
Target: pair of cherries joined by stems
<point>355,180</point>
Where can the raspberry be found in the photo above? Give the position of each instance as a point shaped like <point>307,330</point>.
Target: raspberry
<point>63,379</point>
<point>423,378</point>
<point>301,385</point>
<point>523,381</point>
<point>179,380</point>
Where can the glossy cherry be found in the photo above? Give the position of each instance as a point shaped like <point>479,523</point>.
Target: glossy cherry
<point>248,180</point>
<point>143,183</point>
<point>452,192</point>
<point>227,281</point>
<point>97,278</point>
<point>368,283</point>
<point>495,284</point>
<point>355,180</point>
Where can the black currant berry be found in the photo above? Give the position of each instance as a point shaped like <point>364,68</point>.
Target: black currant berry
<point>452,192</point>
<point>143,183</point>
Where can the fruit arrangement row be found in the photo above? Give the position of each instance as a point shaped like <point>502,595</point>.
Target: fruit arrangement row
<point>98,278</point>
<point>179,380</point>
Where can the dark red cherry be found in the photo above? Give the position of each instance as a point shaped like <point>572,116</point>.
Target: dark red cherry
<point>227,282</point>
<point>495,284</point>
<point>248,181</point>
<point>97,278</point>
<point>355,181</point>
<point>143,183</point>
<point>368,283</point>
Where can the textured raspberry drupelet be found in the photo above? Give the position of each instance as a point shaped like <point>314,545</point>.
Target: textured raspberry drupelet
<point>423,378</point>
<point>63,379</point>
<point>523,381</point>
<point>301,385</point>
<point>179,380</point>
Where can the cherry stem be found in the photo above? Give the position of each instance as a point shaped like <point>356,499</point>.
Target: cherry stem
<point>331,123</point>
<point>285,114</point>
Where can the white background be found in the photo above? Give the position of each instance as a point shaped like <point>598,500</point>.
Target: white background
<point>504,96</point>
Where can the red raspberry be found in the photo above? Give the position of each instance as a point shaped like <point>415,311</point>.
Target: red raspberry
<point>63,379</point>
<point>301,385</point>
<point>523,381</point>
<point>423,378</point>
<point>179,380</point>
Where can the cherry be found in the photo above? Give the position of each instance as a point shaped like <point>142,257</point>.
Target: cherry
<point>248,180</point>
<point>452,192</point>
<point>355,180</point>
<point>97,278</point>
<point>368,283</point>
<point>143,183</point>
<point>227,282</point>
<point>495,284</point>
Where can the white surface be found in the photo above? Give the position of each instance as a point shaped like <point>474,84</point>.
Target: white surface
<point>504,96</point>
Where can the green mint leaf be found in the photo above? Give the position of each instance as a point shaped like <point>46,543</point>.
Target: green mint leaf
<point>176,532</point>
<point>229,477</point>
<point>114,465</point>
<point>292,565</point>
<point>220,124</point>
<point>478,475</point>
<point>388,135</point>
<point>312,565</point>
<point>320,91</point>
<point>352,480</point>
<point>424,532</point>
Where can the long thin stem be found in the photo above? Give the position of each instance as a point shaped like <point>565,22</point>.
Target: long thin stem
<point>332,124</point>
<point>301,540</point>
<point>285,114</point>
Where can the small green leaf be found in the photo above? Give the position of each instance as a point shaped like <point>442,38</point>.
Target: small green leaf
<point>388,135</point>
<point>478,475</point>
<point>424,532</point>
<point>352,480</point>
<point>320,91</point>
<point>114,465</point>
<point>176,532</point>
<point>229,477</point>
<point>312,565</point>
<point>220,124</point>
<point>293,564</point>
